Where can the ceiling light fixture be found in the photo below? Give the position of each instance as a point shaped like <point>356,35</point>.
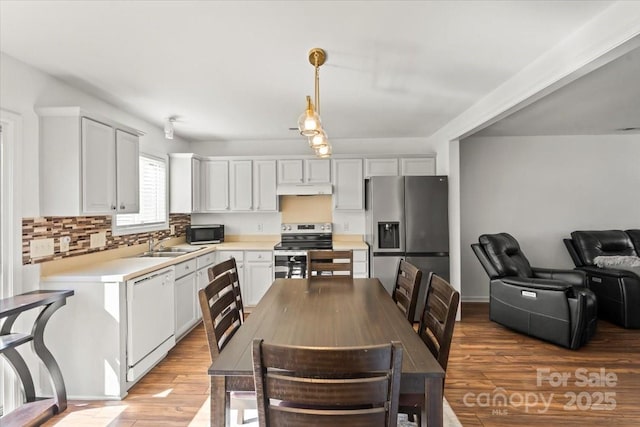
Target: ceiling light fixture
<point>168,127</point>
<point>309,123</point>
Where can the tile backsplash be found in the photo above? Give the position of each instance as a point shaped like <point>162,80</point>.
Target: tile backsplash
<point>80,229</point>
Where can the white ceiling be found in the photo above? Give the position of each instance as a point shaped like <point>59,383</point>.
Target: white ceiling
<point>603,102</point>
<point>238,70</point>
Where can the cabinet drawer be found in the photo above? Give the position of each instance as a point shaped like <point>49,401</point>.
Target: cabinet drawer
<point>359,256</point>
<point>360,269</point>
<point>205,260</point>
<point>185,268</point>
<point>225,255</point>
<point>257,256</point>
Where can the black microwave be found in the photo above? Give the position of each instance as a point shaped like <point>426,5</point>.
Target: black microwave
<point>204,234</point>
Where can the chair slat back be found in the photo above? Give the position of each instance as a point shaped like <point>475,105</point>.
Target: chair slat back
<point>330,264</point>
<point>302,386</point>
<point>229,266</point>
<point>439,318</point>
<point>407,289</point>
<point>220,314</point>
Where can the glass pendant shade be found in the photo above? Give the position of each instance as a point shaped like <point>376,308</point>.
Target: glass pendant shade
<point>318,139</point>
<point>309,121</point>
<point>323,150</point>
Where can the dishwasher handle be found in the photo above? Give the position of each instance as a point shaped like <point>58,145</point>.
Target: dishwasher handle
<point>168,272</point>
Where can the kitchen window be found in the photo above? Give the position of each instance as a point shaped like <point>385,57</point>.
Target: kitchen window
<point>153,200</point>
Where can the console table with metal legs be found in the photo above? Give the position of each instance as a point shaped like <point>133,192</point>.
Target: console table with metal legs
<point>35,410</point>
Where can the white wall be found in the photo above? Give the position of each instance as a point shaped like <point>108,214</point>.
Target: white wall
<point>298,145</point>
<point>23,87</point>
<point>540,189</point>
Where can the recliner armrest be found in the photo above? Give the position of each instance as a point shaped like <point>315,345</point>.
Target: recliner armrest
<point>609,272</point>
<point>573,277</point>
<point>535,283</point>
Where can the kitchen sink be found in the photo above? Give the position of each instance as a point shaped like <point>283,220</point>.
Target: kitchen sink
<point>171,252</point>
<point>156,254</point>
<point>177,250</point>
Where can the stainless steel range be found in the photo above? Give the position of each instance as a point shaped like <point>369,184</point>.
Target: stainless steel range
<point>290,255</point>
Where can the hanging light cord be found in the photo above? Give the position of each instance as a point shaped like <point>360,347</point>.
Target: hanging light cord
<point>315,55</point>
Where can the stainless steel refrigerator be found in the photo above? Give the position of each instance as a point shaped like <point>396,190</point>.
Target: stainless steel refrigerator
<point>407,218</point>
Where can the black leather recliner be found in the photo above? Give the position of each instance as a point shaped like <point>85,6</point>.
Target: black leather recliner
<point>553,305</point>
<point>617,289</point>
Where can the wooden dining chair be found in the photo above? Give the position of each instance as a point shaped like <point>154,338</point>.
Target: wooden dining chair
<point>407,288</point>
<point>436,330</point>
<point>327,386</point>
<point>330,264</point>
<point>231,267</point>
<point>221,319</point>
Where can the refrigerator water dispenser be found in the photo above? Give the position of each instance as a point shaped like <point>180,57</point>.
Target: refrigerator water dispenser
<point>389,235</point>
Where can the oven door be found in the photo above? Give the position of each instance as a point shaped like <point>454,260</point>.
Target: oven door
<point>290,265</point>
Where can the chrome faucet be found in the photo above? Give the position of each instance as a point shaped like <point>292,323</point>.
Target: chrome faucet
<point>153,244</point>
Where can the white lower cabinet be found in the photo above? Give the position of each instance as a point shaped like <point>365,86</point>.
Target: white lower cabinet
<point>258,276</point>
<point>255,272</point>
<point>360,264</point>
<point>185,289</point>
<point>203,263</point>
<point>101,338</point>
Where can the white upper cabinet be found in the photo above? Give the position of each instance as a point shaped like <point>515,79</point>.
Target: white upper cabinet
<point>290,171</point>
<point>418,166</point>
<point>317,171</point>
<point>404,166</point>
<point>185,191</point>
<point>240,185</point>
<point>98,167</point>
<point>196,185</point>
<point>215,185</point>
<point>219,185</point>
<point>348,184</point>
<point>381,167</point>
<point>127,172</point>
<point>88,165</point>
<point>309,171</point>
<point>264,186</point>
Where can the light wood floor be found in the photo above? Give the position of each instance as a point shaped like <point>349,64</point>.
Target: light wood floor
<point>486,359</point>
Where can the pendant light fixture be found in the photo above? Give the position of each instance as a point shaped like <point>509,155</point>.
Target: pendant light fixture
<point>309,123</point>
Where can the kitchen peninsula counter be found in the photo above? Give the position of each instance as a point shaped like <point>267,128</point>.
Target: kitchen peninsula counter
<point>131,266</point>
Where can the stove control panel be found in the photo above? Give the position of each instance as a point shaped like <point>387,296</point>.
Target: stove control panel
<point>297,228</point>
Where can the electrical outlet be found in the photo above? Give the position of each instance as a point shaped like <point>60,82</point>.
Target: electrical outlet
<point>172,229</point>
<point>41,247</point>
<point>346,226</point>
<point>98,240</point>
<point>64,243</point>
<point>260,227</point>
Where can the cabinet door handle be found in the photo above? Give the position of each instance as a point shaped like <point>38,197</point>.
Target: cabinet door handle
<point>122,206</point>
<point>113,207</point>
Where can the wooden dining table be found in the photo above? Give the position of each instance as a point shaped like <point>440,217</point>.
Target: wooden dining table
<point>322,312</point>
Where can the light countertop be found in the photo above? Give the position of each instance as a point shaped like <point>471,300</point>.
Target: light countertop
<point>349,245</point>
<point>123,269</point>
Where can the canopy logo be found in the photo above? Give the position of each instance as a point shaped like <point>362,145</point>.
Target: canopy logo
<point>500,400</point>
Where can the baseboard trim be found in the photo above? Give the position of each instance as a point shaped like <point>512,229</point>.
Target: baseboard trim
<point>475,299</point>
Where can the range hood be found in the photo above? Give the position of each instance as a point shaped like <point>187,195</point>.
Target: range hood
<point>303,189</point>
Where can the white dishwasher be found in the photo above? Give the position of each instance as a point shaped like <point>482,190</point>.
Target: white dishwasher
<point>150,323</point>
